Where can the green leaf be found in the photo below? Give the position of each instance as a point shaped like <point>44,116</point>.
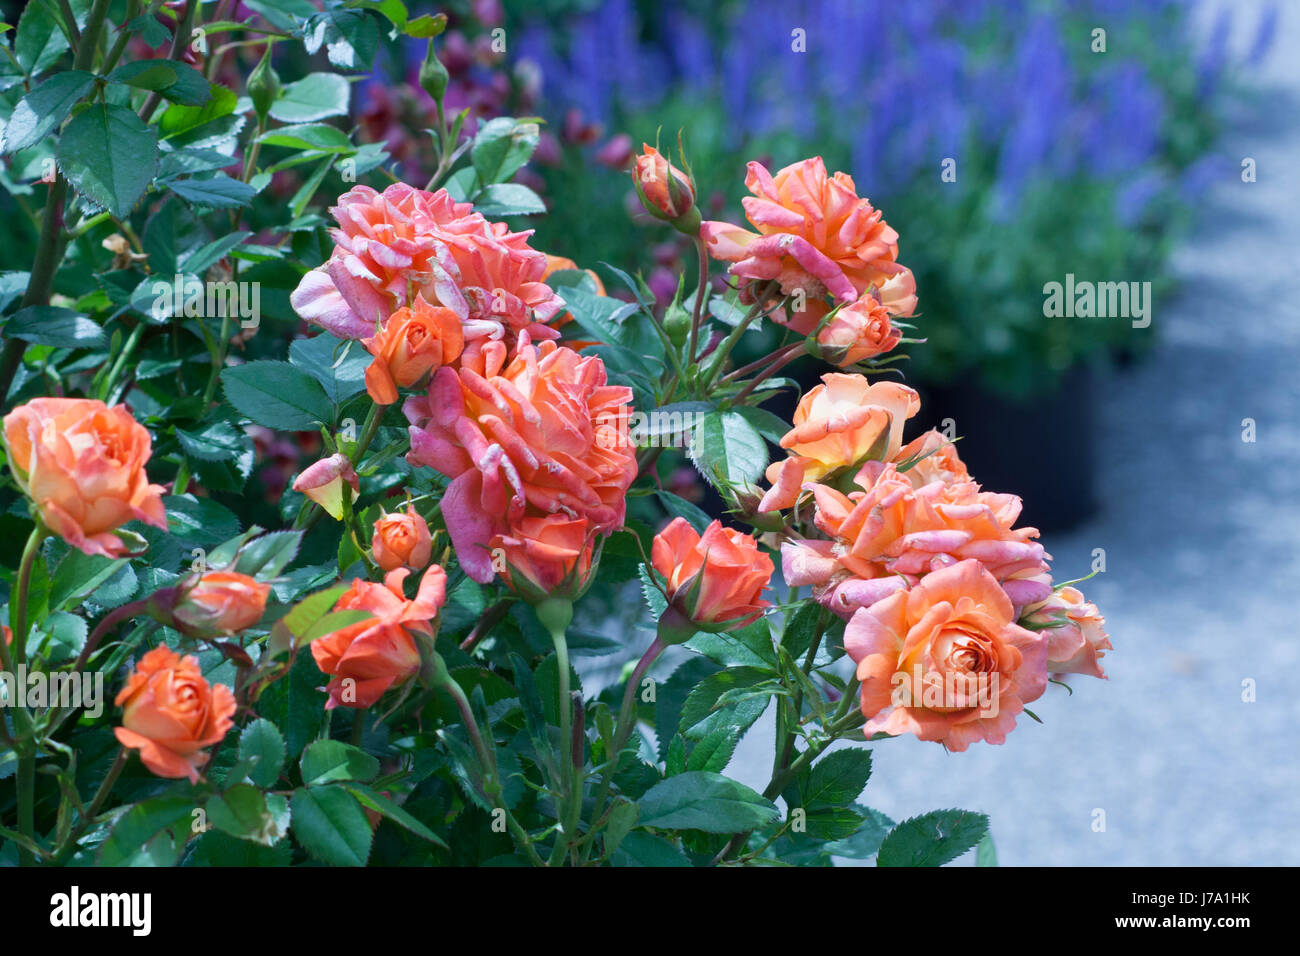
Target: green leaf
<point>109,156</point>
<point>262,746</point>
<point>646,849</point>
<point>277,395</point>
<point>215,441</point>
<point>986,854</point>
<point>78,574</point>
<point>932,839</point>
<point>331,826</point>
<point>56,326</point>
<point>217,192</point>
<point>244,811</point>
<point>130,843</point>
<point>202,259</point>
<point>679,507</point>
<point>865,842</point>
<point>725,446</point>
<point>319,136</point>
<point>338,364</point>
<point>328,761</point>
<point>39,41</point>
<point>377,802</point>
<point>801,627</point>
<point>699,800</point>
<point>314,97</point>
<point>265,557</point>
<point>749,646</point>
<point>215,848</point>
<point>177,82</point>
<point>622,818</point>
<point>836,780</point>
<point>178,119</point>
<point>501,147</point>
<point>703,699</point>
<point>42,110</point>
<point>508,199</point>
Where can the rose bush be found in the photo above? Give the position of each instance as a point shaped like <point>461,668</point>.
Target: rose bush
<point>358,484</point>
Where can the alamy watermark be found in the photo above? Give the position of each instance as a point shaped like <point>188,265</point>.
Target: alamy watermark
<point>193,298</point>
<point>1101,300</point>
<point>23,688</point>
<point>953,691</point>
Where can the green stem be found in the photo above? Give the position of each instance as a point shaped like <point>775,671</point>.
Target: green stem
<point>18,613</point>
<point>488,761</point>
<point>701,293</point>
<point>64,853</point>
<point>565,704</point>
<point>26,800</point>
<point>622,731</point>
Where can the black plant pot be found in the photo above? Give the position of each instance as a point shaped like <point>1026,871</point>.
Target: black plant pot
<point>1040,448</point>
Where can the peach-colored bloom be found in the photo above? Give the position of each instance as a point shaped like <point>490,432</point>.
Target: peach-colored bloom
<point>815,234</point>
<point>945,660</point>
<point>1076,641</point>
<point>934,458</point>
<point>665,190</point>
<point>542,434</point>
<point>546,556</point>
<point>890,529</point>
<point>403,242</point>
<point>323,482</point>
<point>365,659</point>
<point>857,332</point>
<point>716,579</point>
<point>220,602</point>
<point>82,464</point>
<point>170,713</point>
<point>411,344</point>
<point>402,539</point>
<point>840,423</point>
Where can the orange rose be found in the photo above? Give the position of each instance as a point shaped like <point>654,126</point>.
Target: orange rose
<point>1076,641</point>
<point>840,423</point>
<point>402,540</point>
<point>367,658</point>
<point>543,556</point>
<point>410,345</point>
<point>82,465</point>
<point>815,234</point>
<point>857,332</point>
<point>220,602</point>
<point>170,713</point>
<point>714,580</point>
<point>541,434</point>
<point>945,660</point>
<point>889,529</point>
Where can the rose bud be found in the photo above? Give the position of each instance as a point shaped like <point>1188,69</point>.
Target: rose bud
<point>546,557</point>
<point>665,191</point>
<point>170,713</point>
<point>410,345</point>
<point>323,483</point>
<point>1075,639</point>
<point>402,540</point>
<point>219,602</point>
<point>858,331</point>
<point>82,465</point>
<point>714,581</point>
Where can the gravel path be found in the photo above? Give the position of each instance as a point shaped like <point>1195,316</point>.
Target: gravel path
<point>1203,572</point>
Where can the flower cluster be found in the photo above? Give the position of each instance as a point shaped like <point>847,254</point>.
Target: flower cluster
<point>827,249</point>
